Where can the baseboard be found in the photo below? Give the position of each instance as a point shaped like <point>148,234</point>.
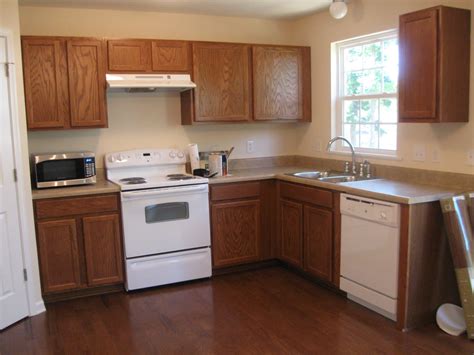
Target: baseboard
<point>101,290</point>
<point>39,308</point>
<point>245,267</point>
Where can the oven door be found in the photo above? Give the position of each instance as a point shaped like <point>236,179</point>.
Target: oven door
<point>165,220</point>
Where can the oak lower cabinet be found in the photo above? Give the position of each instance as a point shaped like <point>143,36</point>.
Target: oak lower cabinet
<point>308,230</point>
<point>242,223</point>
<point>79,243</point>
<point>64,79</point>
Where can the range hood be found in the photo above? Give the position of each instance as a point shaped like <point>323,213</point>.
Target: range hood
<point>149,82</point>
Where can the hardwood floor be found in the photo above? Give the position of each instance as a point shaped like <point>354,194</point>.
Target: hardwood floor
<point>269,311</point>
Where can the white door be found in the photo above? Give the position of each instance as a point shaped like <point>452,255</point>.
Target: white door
<point>13,299</point>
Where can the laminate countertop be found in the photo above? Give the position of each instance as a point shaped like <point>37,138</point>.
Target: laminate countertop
<point>382,189</point>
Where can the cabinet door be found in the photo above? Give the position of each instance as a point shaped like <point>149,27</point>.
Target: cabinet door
<point>318,242</point>
<point>418,77</point>
<point>86,65</point>
<point>46,83</point>
<point>278,83</point>
<point>132,55</point>
<point>291,232</point>
<point>102,249</point>
<point>222,75</point>
<point>171,56</point>
<point>235,232</point>
<point>59,255</point>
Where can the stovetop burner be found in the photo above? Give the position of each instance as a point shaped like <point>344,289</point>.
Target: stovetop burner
<point>177,177</point>
<point>136,180</point>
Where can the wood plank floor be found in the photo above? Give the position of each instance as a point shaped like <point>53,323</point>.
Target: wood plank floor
<point>269,311</point>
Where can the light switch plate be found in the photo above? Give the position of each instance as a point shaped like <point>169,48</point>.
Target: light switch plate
<point>419,152</point>
<point>436,155</point>
<point>250,146</point>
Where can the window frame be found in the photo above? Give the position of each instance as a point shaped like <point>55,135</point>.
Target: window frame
<point>339,95</point>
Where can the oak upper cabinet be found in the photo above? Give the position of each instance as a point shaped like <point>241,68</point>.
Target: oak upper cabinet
<point>434,47</point>
<point>59,255</point>
<point>79,243</point>
<point>86,67</point>
<point>291,232</point>
<point>281,83</point>
<point>64,82</point>
<point>46,82</point>
<point>222,74</point>
<point>129,55</point>
<point>171,56</point>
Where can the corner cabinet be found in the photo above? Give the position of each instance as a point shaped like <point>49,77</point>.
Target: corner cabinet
<point>64,82</point>
<point>434,47</point>
<point>79,244</point>
<point>281,83</point>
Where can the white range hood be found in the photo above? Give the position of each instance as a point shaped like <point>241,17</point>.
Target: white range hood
<point>149,82</point>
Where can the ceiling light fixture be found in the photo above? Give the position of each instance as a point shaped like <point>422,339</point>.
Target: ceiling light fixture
<point>338,9</point>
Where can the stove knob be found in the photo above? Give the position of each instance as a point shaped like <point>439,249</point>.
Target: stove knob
<point>180,155</point>
<point>112,159</point>
<point>383,215</point>
<point>172,155</point>
<point>121,157</point>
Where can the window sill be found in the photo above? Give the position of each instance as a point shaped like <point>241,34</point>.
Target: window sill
<point>368,155</point>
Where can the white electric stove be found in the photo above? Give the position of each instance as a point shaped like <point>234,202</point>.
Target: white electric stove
<point>165,216</point>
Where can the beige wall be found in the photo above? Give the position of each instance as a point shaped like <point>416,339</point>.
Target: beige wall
<point>153,120</point>
<point>365,17</point>
<point>10,23</point>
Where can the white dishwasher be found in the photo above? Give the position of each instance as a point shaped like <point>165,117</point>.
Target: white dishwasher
<point>370,238</point>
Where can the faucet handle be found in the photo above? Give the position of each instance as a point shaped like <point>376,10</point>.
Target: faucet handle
<point>347,167</point>
<point>368,173</point>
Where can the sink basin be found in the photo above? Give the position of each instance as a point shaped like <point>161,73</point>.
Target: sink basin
<point>336,179</point>
<point>311,174</point>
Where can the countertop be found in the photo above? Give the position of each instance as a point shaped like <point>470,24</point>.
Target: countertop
<point>383,189</point>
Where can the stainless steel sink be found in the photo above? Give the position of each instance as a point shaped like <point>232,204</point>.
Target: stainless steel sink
<point>337,179</point>
<point>334,177</point>
<point>311,174</point>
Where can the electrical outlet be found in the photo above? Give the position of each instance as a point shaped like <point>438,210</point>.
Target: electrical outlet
<point>250,146</point>
<point>419,152</point>
<point>435,155</point>
<point>470,157</point>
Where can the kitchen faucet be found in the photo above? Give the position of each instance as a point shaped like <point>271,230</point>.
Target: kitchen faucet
<point>331,141</point>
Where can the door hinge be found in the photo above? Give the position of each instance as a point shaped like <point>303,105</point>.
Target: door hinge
<point>25,275</point>
<point>7,70</point>
<point>15,175</point>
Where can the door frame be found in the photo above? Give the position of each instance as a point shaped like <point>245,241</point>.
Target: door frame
<point>23,185</point>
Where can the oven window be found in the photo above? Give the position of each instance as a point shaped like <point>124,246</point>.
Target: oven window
<point>163,212</point>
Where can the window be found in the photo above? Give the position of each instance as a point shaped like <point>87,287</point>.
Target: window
<point>366,93</point>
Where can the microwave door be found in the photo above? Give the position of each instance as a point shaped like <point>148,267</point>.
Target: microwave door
<point>65,172</point>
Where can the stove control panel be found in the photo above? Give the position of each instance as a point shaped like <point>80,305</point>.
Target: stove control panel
<point>144,157</point>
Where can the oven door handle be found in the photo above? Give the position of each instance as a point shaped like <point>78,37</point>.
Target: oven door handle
<point>131,195</point>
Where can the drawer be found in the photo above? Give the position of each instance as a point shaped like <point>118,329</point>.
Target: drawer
<point>307,194</point>
<point>235,191</point>
<point>52,208</point>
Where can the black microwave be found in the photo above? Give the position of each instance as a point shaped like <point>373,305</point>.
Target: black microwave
<point>63,169</point>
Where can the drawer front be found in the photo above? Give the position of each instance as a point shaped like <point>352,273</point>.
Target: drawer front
<point>307,194</point>
<point>235,191</point>
<point>53,208</point>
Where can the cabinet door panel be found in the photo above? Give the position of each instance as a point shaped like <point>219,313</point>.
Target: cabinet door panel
<point>103,249</point>
<point>318,242</point>
<point>59,255</point>
<point>86,64</point>
<point>46,83</point>
<point>222,76</point>
<point>171,56</point>
<point>278,83</point>
<point>291,232</point>
<point>418,77</point>
<point>132,55</point>
<point>235,232</point>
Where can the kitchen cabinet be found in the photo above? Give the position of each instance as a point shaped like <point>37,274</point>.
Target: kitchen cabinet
<point>434,51</point>
<point>79,243</point>
<point>308,232</point>
<point>129,55</point>
<point>64,81</point>
<point>171,56</point>
<point>281,83</point>
<point>242,223</point>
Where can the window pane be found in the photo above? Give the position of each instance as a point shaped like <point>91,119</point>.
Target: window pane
<point>372,55</point>
<point>388,136</point>
<point>390,78</point>
<point>351,132</point>
<point>388,110</point>
<point>353,83</point>
<point>390,52</point>
<point>351,111</point>
<point>353,59</point>
<point>368,136</point>
<point>372,81</point>
<point>369,111</point>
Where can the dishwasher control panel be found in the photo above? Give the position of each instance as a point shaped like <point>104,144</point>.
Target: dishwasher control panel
<point>373,210</point>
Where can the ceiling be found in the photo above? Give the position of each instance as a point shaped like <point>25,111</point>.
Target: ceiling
<point>273,9</point>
